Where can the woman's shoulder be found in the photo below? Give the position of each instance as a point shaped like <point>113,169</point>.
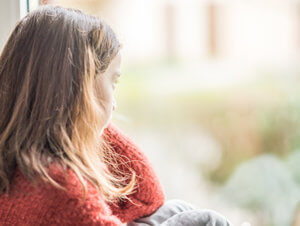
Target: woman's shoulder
<point>58,174</point>
<point>63,206</point>
<point>93,210</point>
<point>67,178</point>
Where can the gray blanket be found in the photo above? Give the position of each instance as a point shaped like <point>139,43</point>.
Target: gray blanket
<point>181,213</point>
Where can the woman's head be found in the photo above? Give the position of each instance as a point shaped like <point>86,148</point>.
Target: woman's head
<point>56,91</point>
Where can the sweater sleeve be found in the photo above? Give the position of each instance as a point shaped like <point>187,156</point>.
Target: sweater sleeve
<point>148,195</point>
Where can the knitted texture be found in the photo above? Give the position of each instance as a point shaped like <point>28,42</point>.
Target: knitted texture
<point>47,205</point>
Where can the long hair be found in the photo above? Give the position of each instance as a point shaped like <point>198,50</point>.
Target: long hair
<point>49,110</point>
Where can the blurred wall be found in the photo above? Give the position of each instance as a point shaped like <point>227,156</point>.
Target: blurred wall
<point>10,13</point>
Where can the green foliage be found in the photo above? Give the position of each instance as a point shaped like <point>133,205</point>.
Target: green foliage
<point>246,119</point>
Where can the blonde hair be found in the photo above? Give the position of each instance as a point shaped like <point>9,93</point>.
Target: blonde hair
<point>49,108</point>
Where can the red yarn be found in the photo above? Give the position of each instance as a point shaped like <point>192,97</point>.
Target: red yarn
<point>47,205</point>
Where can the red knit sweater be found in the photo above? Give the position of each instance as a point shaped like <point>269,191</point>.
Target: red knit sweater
<point>47,205</point>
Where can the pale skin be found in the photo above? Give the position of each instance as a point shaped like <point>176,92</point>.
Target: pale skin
<point>105,86</point>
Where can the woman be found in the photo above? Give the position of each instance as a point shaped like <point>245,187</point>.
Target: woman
<point>61,162</point>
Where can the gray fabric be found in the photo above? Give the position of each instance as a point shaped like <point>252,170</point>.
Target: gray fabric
<point>180,213</point>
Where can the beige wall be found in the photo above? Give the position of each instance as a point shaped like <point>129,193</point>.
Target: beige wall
<point>9,15</point>
<point>253,31</point>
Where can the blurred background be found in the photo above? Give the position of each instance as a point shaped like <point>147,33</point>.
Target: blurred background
<point>210,91</point>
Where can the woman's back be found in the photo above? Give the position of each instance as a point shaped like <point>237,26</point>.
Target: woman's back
<point>57,165</point>
<point>46,205</point>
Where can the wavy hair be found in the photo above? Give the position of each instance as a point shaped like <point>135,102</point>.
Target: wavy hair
<point>49,110</point>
